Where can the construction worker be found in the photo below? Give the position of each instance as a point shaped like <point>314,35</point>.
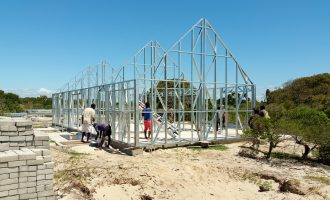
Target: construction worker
<point>263,112</point>
<point>88,117</point>
<point>147,115</point>
<point>103,130</point>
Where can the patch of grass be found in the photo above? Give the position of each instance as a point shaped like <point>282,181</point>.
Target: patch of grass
<point>219,147</point>
<point>316,190</point>
<point>321,179</point>
<point>74,154</point>
<point>315,153</point>
<point>282,155</point>
<point>51,141</point>
<point>215,147</point>
<point>263,185</point>
<point>76,174</point>
<point>250,177</point>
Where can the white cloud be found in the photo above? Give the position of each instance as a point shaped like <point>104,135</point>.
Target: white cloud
<point>45,91</point>
<point>31,92</point>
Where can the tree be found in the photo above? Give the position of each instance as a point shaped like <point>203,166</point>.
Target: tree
<point>270,130</point>
<point>311,91</point>
<point>268,97</point>
<point>309,128</point>
<point>301,109</point>
<point>2,102</point>
<point>10,103</point>
<point>267,130</point>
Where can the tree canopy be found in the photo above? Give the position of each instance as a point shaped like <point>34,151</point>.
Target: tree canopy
<point>313,91</point>
<point>10,103</point>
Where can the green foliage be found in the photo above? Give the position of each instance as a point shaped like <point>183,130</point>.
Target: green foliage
<point>276,111</point>
<point>263,184</point>
<point>252,135</point>
<point>309,127</point>
<point>327,112</point>
<point>41,102</point>
<point>218,147</point>
<point>311,91</point>
<point>324,154</point>
<point>74,154</point>
<point>72,174</point>
<point>174,89</point>
<point>265,129</point>
<point>267,95</point>
<point>178,89</point>
<point>307,104</point>
<point>10,103</point>
<point>232,100</point>
<point>272,133</point>
<point>283,155</point>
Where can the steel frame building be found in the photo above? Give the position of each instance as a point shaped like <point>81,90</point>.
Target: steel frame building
<point>189,86</point>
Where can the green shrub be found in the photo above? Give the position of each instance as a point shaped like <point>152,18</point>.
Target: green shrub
<point>283,155</point>
<point>309,128</point>
<point>327,112</point>
<point>324,154</point>
<point>267,130</point>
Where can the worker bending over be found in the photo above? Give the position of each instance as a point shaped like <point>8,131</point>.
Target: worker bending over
<point>102,131</point>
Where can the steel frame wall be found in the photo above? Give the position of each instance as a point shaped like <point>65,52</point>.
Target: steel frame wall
<point>192,81</point>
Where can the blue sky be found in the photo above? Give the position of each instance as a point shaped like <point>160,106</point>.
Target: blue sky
<point>43,44</point>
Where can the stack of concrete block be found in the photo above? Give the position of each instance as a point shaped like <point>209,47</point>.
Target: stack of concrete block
<point>18,134</point>
<point>26,168</point>
<point>26,174</point>
<point>40,140</point>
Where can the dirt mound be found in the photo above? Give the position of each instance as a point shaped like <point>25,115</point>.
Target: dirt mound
<point>184,173</point>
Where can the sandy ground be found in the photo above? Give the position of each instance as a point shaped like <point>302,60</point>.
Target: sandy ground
<point>83,172</point>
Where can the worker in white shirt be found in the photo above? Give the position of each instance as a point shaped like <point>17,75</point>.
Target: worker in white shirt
<point>88,117</point>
